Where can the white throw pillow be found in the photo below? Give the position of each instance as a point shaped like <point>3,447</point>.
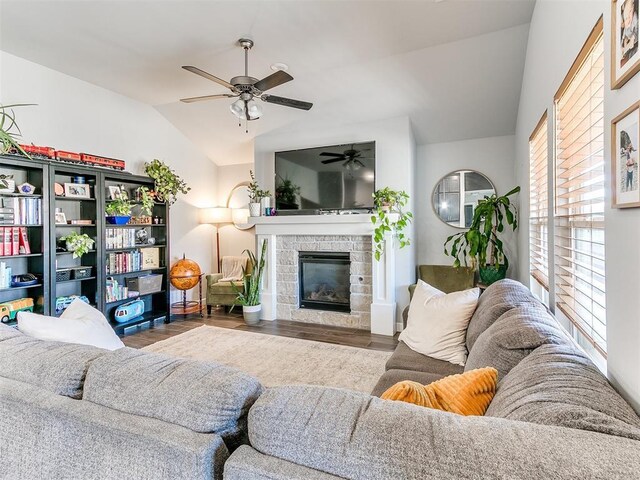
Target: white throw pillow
<point>437,323</point>
<point>79,323</point>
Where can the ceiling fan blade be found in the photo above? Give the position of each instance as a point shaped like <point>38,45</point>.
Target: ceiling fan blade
<point>273,80</point>
<point>329,154</point>
<point>208,76</point>
<point>334,160</point>
<point>287,102</point>
<point>206,97</point>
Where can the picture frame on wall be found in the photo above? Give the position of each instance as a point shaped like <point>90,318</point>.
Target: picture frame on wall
<point>625,41</point>
<point>625,141</point>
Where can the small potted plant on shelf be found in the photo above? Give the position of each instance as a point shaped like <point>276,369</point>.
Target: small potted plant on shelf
<point>118,211</point>
<point>249,298</point>
<point>481,245</point>
<point>168,183</point>
<point>389,216</point>
<point>255,196</point>
<point>143,195</point>
<point>9,130</point>
<point>77,243</point>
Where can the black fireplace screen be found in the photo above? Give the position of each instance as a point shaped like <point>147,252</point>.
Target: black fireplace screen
<point>324,280</point>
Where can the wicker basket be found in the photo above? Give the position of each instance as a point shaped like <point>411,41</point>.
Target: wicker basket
<point>63,275</point>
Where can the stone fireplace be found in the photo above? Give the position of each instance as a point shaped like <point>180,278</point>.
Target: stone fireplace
<point>345,286</point>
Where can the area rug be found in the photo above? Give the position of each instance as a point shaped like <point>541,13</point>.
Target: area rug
<point>280,360</point>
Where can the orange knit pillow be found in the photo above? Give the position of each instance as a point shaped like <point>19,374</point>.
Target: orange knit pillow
<point>468,393</point>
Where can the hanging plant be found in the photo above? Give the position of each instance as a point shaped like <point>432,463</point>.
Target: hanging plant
<point>77,243</point>
<point>167,182</point>
<point>389,217</point>
<point>9,130</point>
<point>146,201</point>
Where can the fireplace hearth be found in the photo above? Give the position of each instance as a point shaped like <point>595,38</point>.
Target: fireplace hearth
<point>324,280</point>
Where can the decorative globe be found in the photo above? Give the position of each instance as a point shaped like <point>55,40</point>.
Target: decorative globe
<point>185,274</point>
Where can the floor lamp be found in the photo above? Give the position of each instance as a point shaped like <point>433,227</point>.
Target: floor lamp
<point>216,216</point>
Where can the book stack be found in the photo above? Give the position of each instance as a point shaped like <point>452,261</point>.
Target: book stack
<point>5,275</point>
<point>6,216</point>
<point>124,262</point>
<point>14,241</point>
<point>115,291</point>
<point>120,238</point>
<point>25,210</point>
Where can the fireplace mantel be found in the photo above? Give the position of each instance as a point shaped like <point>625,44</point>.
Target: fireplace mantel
<point>383,306</point>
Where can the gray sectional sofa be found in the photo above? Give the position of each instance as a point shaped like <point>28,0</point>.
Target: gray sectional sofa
<point>554,414</point>
<point>71,411</point>
<point>77,412</point>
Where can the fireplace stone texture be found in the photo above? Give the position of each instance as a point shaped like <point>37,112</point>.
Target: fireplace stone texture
<point>287,288</point>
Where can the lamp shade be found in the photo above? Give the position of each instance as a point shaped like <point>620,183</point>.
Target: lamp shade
<point>215,215</point>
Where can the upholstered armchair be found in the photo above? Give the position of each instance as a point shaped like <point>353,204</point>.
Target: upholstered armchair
<point>222,293</point>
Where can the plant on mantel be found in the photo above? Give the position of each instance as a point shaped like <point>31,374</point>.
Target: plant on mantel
<point>481,245</point>
<point>255,193</point>
<point>389,216</point>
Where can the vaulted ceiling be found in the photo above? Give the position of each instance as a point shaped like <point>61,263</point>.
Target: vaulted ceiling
<point>454,67</point>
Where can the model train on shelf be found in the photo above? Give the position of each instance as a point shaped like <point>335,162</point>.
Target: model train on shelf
<point>49,153</point>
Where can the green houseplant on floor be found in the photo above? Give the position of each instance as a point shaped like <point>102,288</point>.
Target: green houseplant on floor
<point>249,298</point>
<point>481,245</point>
<point>389,216</point>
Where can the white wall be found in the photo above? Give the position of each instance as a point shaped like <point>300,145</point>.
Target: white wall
<point>493,157</point>
<point>395,167</point>
<point>558,31</point>
<point>77,116</point>
<point>232,240</point>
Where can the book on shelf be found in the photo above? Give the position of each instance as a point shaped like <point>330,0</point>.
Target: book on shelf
<point>22,210</point>
<point>5,275</point>
<point>7,240</point>
<point>124,262</point>
<point>24,247</point>
<point>120,238</point>
<point>15,240</point>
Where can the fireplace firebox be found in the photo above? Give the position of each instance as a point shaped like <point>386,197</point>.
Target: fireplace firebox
<point>324,280</point>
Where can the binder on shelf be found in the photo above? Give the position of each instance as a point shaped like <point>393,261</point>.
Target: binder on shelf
<point>6,239</point>
<point>15,240</point>
<point>24,246</point>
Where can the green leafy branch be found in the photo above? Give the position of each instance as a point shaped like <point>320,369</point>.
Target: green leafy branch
<point>390,217</point>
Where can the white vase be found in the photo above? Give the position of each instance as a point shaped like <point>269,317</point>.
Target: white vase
<point>265,203</point>
<point>251,314</point>
<point>254,209</point>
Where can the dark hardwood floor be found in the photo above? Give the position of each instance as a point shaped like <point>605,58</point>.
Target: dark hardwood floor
<point>308,331</point>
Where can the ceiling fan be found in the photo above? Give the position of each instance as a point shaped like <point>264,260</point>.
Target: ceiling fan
<point>351,158</point>
<point>247,89</point>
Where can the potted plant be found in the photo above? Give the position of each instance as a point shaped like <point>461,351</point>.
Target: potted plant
<point>250,297</point>
<point>167,182</point>
<point>77,243</point>
<point>146,203</point>
<point>287,195</point>
<point>118,211</point>
<point>481,244</point>
<point>389,216</point>
<point>255,196</point>
<point>9,129</point>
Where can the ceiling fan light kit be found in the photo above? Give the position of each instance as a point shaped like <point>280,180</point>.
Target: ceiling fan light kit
<point>246,89</point>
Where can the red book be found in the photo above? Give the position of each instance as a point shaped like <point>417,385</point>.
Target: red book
<point>1,241</point>
<point>7,241</point>
<point>24,241</point>
<point>15,239</point>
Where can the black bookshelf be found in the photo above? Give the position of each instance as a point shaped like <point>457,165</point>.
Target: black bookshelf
<point>46,257</point>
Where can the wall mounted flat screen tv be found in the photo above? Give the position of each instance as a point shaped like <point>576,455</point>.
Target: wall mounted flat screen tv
<point>338,177</point>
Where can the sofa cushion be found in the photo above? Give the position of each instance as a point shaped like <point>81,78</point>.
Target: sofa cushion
<point>359,437</point>
<point>513,336</point>
<point>205,397</point>
<point>559,385</point>
<point>437,324</point>
<point>57,367</point>
<point>391,377</point>
<point>225,288</point>
<point>467,393</point>
<point>403,358</point>
<point>498,298</point>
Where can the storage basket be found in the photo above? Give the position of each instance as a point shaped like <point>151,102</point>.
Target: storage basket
<point>81,272</point>
<point>145,284</point>
<point>63,275</point>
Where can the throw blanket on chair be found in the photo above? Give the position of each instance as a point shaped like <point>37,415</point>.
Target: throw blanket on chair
<point>232,268</point>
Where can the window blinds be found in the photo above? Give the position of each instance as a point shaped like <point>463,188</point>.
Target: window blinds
<point>580,194</point>
<point>539,204</point>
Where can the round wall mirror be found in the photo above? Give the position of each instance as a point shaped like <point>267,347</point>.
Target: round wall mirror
<point>456,196</point>
<point>238,202</point>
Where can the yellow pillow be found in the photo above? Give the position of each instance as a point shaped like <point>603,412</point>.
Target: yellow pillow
<point>468,393</point>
